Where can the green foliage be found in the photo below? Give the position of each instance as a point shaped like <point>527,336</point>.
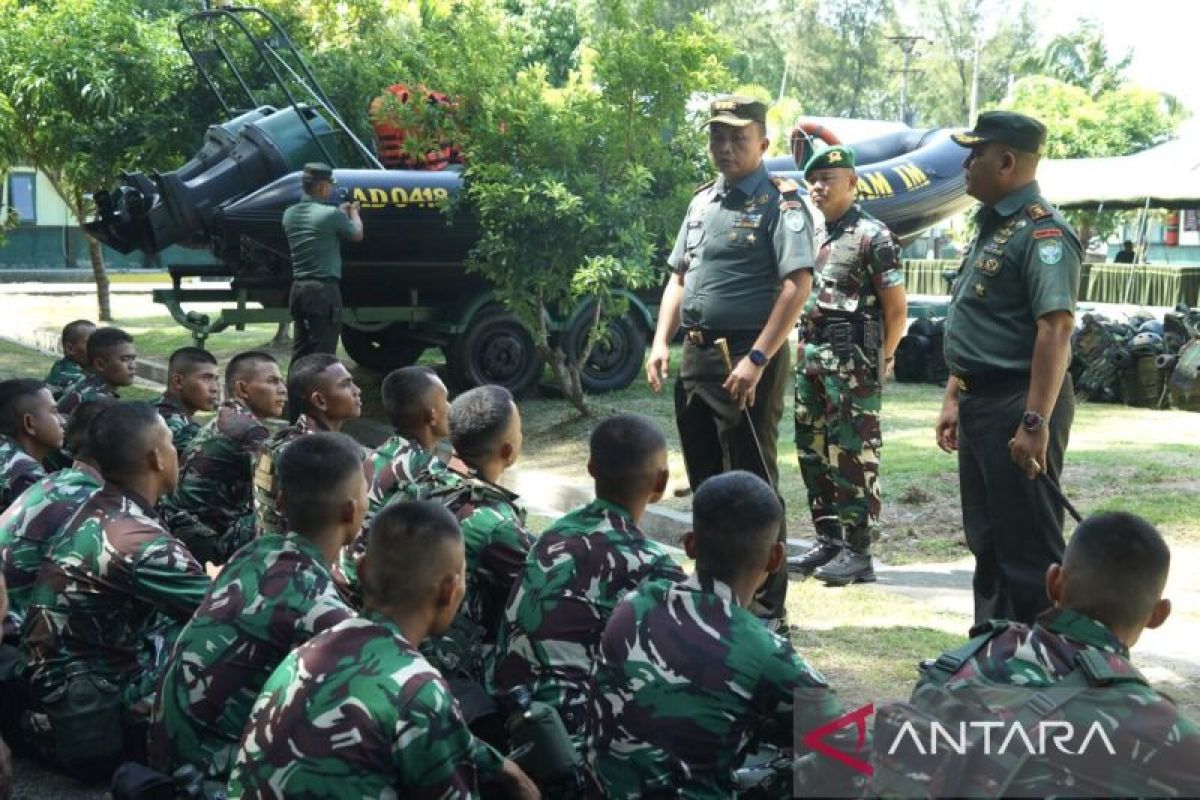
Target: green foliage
<point>1081,58</point>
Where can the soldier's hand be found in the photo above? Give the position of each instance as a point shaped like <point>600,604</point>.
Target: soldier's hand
<point>6,772</point>
<point>1028,450</point>
<point>742,382</point>
<point>947,425</point>
<point>517,784</point>
<point>658,365</point>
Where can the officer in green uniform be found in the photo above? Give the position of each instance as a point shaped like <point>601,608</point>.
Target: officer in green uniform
<point>314,233</point>
<point>850,328</point>
<point>741,270</point>
<point>1009,402</point>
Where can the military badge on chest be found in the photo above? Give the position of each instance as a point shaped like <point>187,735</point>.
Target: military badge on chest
<point>992,257</point>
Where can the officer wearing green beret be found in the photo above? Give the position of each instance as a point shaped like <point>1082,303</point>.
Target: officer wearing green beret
<point>314,230</point>
<point>1009,402</point>
<point>849,332</point>
<point>741,270</point>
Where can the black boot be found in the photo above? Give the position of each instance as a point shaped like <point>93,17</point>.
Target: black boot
<point>849,567</point>
<point>822,553</point>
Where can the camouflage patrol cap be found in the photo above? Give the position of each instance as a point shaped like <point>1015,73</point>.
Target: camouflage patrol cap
<point>736,110</point>
<point>836,157</point>
<point>1004,127</point>
<point>318,171</point>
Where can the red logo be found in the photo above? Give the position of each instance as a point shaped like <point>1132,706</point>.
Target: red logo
<point>815,739</point>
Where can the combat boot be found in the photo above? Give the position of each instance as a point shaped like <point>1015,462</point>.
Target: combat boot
<point>849,567</point>
<point>825,550</point>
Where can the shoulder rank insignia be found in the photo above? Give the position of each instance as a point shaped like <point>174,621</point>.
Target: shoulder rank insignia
<point>704,186</point>
<point>1037,212</point>
<point>785,185</point>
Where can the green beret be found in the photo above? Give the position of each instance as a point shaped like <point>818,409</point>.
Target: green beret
<point>1004,127</point>
<point>836,157</point>
<point>735,110</point>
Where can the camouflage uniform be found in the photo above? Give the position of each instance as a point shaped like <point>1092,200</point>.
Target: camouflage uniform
<point>100,599</point>
<point>1142,724</point>
<point>182,424</point>
<point>18,471</point>
<point>397,470</point>
<point>267,516</point>
<point>497,543</point>
<point>89,387</point>
<point>838,399</point>
<point>687,679</point>
<point>63,373</point>
<point>358,712</point>
<point>28,526</point>
<point>577,572</point>
<point>274,594</point>
<point>212,510</point>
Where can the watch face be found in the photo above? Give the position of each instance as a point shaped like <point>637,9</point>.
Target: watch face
<point>1033,422</point>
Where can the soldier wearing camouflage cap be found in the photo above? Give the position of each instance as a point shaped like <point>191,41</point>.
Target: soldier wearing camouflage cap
<point>741,270</point>
<point>1009,402</point>
<point>849,332</point>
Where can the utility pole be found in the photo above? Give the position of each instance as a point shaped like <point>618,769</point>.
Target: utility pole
<point>908,44</point>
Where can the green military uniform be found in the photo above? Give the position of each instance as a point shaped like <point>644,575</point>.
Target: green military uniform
<point>18,471</point>
<point>29,525</point>
<point>736,245</point>
<point>274,594</point>
<point>688,682</point>
<point>314,233</point>
<point>574,576</point>
<point>267,516</point>
<point>63,373</point>
<point>183,426</point>
<point>87,388</point>
<point>358,712</point>
<point>1023,264</point>
<point>839,390</point>
<point>211,510</point>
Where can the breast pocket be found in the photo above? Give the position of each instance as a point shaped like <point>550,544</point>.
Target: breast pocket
<point>695,234</point>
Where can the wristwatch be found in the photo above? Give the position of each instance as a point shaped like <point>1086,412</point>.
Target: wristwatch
<point>758,358</point>
<point>1033,421</point>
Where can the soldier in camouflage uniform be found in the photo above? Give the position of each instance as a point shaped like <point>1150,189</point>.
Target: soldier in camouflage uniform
<point>73,363</point>
<point>581,566</point>
<point>212,510</point>
<point>688,677</point>
<point>417,405</point>
<point>358,711</point>
<point>28,525</point>
<point>851,326</point>
<point>274,594</point>
<point>1106,591</point>
<point>30,429</point>
<point>193,384</point>
<point>321,395</point>
<point>115,586</point>
<point>112,364</point>
<point>485,429</point>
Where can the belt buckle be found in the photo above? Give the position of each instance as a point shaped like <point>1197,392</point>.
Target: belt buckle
<point>961,382</point>
<point>695,336</point>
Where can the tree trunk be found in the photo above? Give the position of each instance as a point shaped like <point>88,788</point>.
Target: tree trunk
<point>100,275</point>
<point>567,374</point>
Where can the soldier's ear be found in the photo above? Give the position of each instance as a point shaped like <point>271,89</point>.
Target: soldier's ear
<point>661,478</point>
<point>28,426</point>
<point>776,558</point>
<point>591,468</point>
<point>689,544</point>
<point>1055,579</point>
<point>1162,610</point>
<point>318,401</point>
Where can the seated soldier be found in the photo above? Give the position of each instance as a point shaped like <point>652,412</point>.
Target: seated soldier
<point>30,429</point>
<point>357,711</point>
<point>485,429</point>
<point>321,396</point>
<point>581,567</point>
<point>111,365</point>
<point>212,510</point>
<point>274,594</point>
<point>688,676</point>
<point>113,590</point>
<point>73,363</point>
<point>28,525</point>
<point>192,385</point>
<point>1107,590</point>
<point>416,404</point>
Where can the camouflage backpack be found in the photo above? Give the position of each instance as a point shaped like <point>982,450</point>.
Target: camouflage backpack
<point>941,743</point>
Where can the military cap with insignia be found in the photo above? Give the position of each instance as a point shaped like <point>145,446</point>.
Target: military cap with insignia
<point>836,157</point>
<point>1004,127</point>
<point>736,110</point>
<point>317,171</point>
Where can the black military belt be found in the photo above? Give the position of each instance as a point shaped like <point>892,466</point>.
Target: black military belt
<point>315,280</point>
<point>739,341</point>
<point>992,380</point>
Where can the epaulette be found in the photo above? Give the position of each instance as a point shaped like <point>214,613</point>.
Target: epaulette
<point>704,186</point>
<point>1038,212</point>
<point>784,185</point>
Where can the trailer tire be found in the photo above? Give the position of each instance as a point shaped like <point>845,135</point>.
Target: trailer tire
<point>494,349</point>
<point>614,363</point>
<point>383,350</point>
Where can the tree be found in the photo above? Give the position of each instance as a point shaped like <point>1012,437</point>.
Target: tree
<point>87,86</point>
<point>1081,58</point>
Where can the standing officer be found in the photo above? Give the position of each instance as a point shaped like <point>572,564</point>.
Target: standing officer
<point>1009,401</point>
<point>741,270</point>
<point>314,231</point>
<point>851,326</point>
